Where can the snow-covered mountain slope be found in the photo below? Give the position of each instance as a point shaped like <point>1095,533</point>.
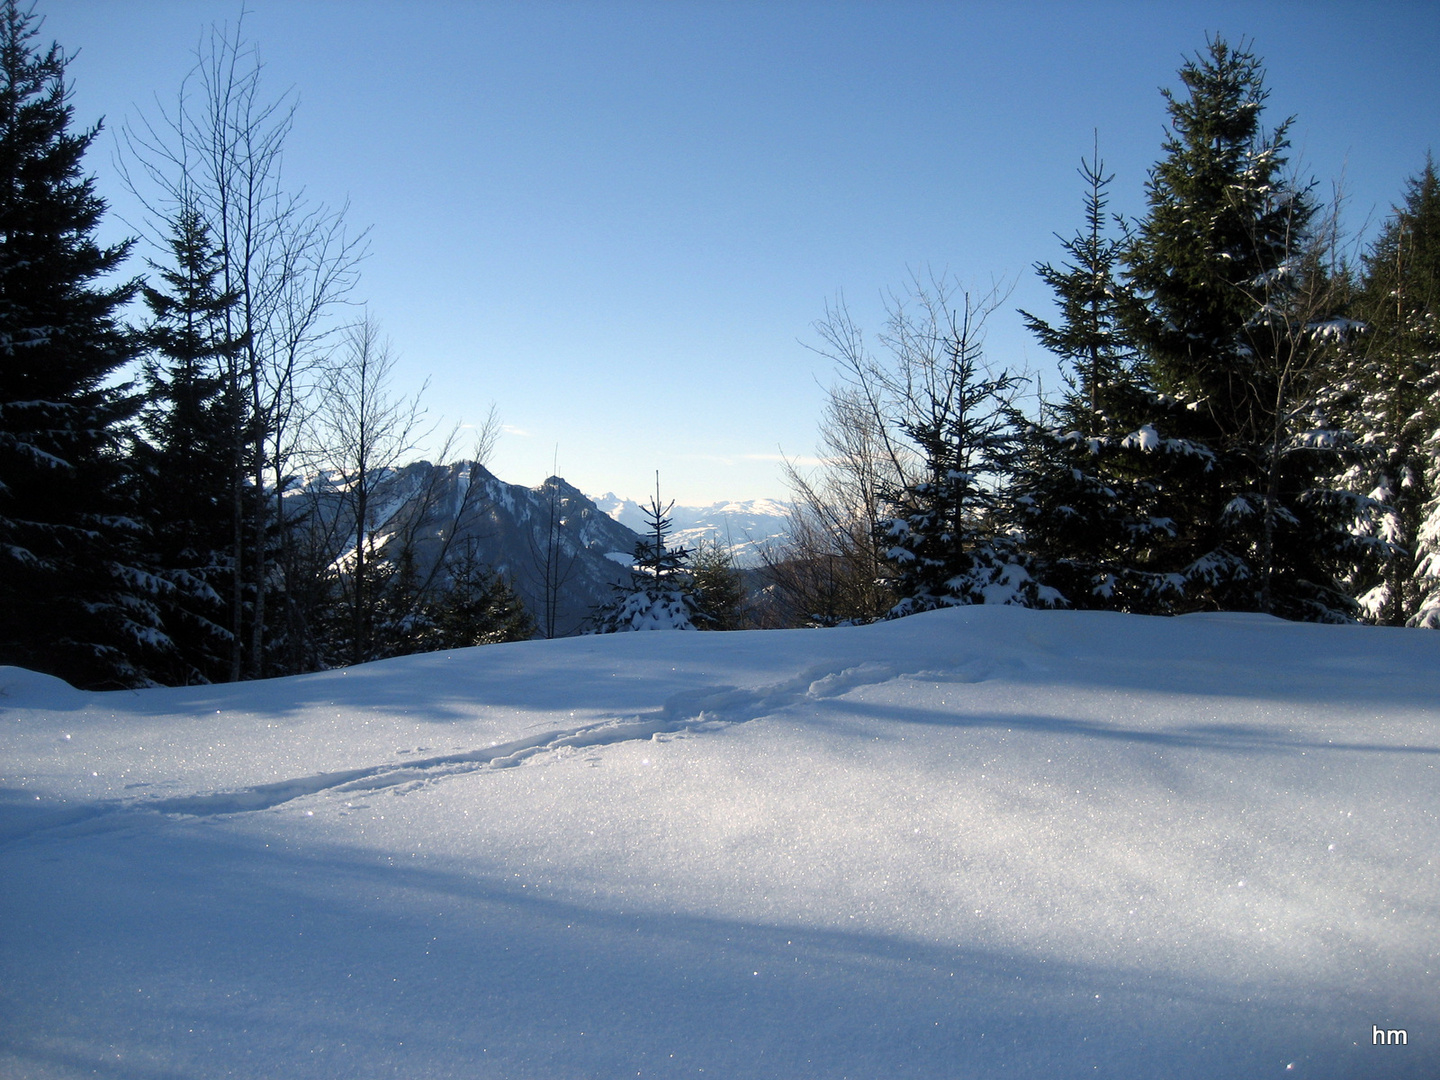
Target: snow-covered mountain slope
<point>525,533</point>
<point>980,842</point>
<point>742,527</point>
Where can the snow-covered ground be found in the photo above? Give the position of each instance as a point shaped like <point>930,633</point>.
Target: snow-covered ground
<point>982,842</point>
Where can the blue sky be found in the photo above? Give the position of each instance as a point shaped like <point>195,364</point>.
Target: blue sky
<point>619,221</point>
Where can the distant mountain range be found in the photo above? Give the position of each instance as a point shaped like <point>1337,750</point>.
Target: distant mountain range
<point>742,527</point>
<point>520,531</point>
<point>561,551</point>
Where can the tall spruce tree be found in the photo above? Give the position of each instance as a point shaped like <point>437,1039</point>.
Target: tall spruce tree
<point>1395,382</point>
<point>78,601</point>
<point>1233,318</point>
<point>1090,484</point>
<point>1090,337</point>
<point>192,428</point>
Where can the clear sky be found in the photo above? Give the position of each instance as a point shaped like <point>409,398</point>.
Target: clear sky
<point>619,221</point>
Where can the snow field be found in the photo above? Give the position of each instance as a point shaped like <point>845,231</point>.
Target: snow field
<point>972,843</point>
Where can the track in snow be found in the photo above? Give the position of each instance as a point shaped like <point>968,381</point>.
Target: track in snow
<point>690,711</point>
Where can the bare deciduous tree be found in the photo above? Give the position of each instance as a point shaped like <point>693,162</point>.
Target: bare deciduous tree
<point>829,568</point>
<point>832,568</point>
<point>367,431</point>
<point>219,148</point>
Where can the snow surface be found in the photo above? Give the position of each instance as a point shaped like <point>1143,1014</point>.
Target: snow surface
<point>978,842</point>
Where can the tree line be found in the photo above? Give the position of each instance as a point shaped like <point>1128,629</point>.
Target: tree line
<point>1249,422</point>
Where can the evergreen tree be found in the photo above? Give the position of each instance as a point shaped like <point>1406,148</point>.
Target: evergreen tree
<point>661,592</point>
<point>78,601</point>
<point>1090,337</point>
<point>719,588</point>
<point>397,622</point>
<point>477,608</point>
<point>1090,486</point>
<point>1097,513</point>
<point>187,460</point>
<point>1395,380</point>
<point>949,536</point>
<point>1232,319</point>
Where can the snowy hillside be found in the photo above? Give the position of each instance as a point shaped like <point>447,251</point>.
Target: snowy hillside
<point>980,842</point>
<point>742,527</point>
